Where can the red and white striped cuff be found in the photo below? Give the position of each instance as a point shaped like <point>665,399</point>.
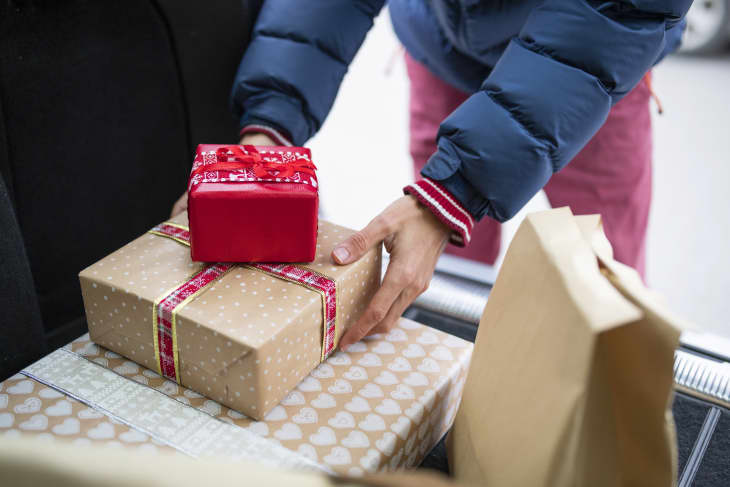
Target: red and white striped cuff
<point>445,207</point>
<point>272,133</point>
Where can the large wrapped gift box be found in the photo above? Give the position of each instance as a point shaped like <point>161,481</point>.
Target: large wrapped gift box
<point>244,335</point>
<point>380,406</point>
<point>253,204</point>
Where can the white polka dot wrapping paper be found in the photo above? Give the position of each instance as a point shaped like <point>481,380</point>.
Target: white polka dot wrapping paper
<point>247,339</point>
<point>380,406</point>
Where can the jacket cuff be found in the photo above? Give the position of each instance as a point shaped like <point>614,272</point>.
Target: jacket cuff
<point>445,207</point>
<point>271,132</point>
<point>444,168</point>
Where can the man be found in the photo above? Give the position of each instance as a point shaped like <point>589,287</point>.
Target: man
<point>537,79</point>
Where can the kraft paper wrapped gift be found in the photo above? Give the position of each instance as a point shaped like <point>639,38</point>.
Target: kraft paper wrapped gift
<point>31,408</point>
<point>244,335</point>
<point>380,406</point>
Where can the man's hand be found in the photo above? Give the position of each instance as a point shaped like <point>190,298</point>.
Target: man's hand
<point>415,239</point>
<point>249,139</point>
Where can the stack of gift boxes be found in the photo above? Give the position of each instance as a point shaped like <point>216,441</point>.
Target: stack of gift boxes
<point>260,338</point>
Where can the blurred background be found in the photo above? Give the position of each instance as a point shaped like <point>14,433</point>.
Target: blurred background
<point>689,230</point>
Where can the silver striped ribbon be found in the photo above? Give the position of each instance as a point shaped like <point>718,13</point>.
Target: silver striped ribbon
<point>159,416</point>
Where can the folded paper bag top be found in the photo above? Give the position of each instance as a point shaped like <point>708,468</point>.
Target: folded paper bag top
<point>253,204</point>
<point>242,334</point>
<point>571,378</point>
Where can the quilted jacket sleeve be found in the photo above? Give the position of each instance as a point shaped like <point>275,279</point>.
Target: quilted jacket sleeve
<point>298,55</point>
<point>547,96</point>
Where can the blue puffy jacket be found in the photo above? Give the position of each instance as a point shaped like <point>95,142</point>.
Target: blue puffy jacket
<point>544,75</point>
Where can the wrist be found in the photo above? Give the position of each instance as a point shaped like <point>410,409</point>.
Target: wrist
<point>424,213</point>
<point>257,139</point>
<point>257,132</point>
<point>445,208</point>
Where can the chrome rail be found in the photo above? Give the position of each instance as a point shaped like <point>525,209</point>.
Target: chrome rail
<point>705,373</point>
<point>453,295</point>
<point>700,375</point>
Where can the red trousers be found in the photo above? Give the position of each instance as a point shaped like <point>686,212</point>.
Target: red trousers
<point>610,176</point>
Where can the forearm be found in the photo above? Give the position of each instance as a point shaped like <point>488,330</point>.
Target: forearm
<point>298,56</point>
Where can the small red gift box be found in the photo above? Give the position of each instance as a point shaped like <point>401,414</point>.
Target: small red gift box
<point>252,204</point>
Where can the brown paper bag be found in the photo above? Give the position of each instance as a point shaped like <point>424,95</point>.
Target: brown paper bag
<point>571,378</point>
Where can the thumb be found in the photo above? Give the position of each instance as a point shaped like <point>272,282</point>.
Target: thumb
<point>357,244</point>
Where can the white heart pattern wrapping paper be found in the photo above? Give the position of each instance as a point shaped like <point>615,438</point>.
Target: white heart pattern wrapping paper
<point>379,406</point>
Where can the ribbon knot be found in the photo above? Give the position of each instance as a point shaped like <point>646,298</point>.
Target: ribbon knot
<point>251,156</point>
<point>235,157</point>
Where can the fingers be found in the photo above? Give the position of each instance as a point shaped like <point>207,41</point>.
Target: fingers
<point>400,287</point>
<point>180,205</point>
<point>405,298</point>
<point>376,311</point>
<point>415,244</point>
<point>380,227</point>
<point>396,311</point>
<point>257,139</point>
<point>360,242</point>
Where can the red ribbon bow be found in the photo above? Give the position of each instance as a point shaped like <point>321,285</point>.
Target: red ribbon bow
<point>251,159</point>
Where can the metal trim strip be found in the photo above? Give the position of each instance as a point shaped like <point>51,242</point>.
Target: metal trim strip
<point>702,377</point>
<point>195,433</point>
<point>700,447</point>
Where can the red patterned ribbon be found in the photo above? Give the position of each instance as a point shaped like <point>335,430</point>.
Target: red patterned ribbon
<point>166,307</point>
<point>165,312</point>
<point>317,282</point>
<point>237,163</point>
